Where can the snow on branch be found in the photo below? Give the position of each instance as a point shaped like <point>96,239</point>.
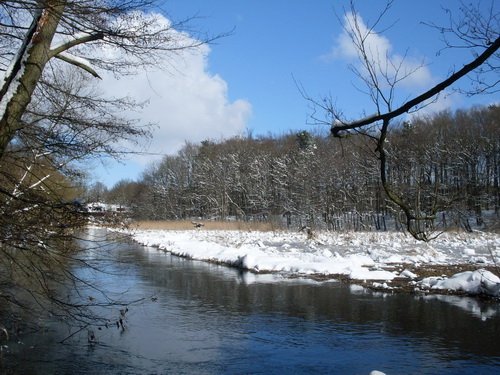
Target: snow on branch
<point>59,49</point>
<point>78,39</point>
<point>79,62</point>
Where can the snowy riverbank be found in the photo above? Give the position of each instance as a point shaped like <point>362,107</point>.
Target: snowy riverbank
<point>377,258</point>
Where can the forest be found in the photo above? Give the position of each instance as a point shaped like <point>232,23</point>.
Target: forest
<point>445,163</point>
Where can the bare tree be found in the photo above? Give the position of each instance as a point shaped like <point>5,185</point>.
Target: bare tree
<point>52,118</point>
<point>475,29</point>
<point>117,37</point>
<point>381,76</point>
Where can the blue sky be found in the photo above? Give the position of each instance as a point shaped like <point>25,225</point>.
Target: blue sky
<point>248,80</point>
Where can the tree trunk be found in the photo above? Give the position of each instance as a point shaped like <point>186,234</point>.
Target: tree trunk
<point>27,68</point>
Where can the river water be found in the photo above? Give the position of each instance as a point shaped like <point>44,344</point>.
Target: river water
<point>198,318</point>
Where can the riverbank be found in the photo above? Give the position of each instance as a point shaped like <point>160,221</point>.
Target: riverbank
<point>456,263</point>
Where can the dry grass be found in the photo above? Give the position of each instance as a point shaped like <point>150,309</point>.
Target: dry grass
<point>207,225</point>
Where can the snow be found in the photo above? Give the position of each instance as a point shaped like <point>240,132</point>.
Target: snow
<point>22,55</point>
<point>471,282</point>
<point>373,256</point>
<point>78,60</point>
<point>12,88</point>
<point>408,274</point>
<point>60,41</point>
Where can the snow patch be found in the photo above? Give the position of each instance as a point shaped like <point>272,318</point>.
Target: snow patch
<point>358,256</point>
<point>472,282</point>
<point>408,274</point>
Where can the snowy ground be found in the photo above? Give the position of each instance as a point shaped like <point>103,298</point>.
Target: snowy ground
<point>376,258</point>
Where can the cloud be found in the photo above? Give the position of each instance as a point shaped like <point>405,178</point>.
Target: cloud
<point>185,100</point>
<point>445,100</point>
<point>410,72</point>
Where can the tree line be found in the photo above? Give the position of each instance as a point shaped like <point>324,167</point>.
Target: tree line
<point>448,162</point>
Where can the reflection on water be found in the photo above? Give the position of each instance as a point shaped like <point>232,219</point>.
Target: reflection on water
<point>208,319</point>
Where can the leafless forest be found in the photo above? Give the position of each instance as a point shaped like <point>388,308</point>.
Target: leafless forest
<point>446,163</point>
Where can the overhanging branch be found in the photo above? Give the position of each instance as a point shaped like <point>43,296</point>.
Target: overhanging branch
<point>85,38</point>
<point>337,129</point>
<point>78,63</point>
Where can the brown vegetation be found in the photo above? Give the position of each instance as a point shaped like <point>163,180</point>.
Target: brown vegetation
<point>207,225</point>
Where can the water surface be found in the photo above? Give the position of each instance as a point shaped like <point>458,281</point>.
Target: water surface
<point>198,318</point>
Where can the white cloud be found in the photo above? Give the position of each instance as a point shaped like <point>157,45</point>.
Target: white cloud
<point>186,101</point>
<point>445,100</point>
<point>379,52</point>
<point>377,44</point>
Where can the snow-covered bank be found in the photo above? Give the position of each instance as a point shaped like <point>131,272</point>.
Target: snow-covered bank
<point>471,282</point>
<point>356,255</point>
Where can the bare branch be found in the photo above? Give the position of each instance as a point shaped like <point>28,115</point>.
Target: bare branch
<point>85,38</point>
<point>80,63</point>
<point>466,69</point>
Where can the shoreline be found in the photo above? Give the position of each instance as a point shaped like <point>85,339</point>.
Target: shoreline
<point>385,262</point>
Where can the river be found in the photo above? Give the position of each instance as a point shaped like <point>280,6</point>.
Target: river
<point>199,318</point>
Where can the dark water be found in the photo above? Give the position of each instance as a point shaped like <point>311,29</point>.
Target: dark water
<point>208,319</point>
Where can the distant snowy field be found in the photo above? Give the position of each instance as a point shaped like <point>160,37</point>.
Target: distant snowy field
<point>357,255</point>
